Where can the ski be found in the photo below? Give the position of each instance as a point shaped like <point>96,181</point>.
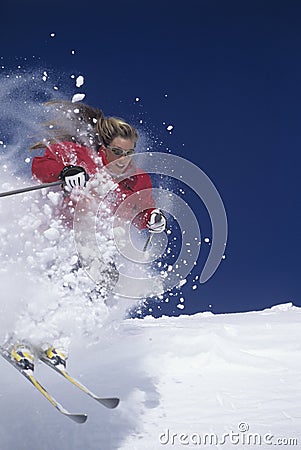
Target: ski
<point>111,403</point>
<point>28,374</point>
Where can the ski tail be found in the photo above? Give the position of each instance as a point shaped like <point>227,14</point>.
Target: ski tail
<point>78,418</point>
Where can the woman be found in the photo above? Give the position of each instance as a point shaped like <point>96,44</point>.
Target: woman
<point>80,143</point>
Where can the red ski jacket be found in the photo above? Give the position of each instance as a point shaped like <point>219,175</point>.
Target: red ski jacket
<point>48,167</point>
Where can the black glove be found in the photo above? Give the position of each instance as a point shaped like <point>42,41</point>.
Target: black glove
<point>73,176</point>
<point>157,221</point>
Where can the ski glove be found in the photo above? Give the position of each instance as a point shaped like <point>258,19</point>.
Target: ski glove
<point>157,221</point>
<point>73,176</point>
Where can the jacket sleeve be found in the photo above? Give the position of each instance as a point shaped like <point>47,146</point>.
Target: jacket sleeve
<point>48,167</point>
<point>144,182</point>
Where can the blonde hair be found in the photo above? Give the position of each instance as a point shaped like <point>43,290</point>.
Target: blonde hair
<point>108,128</point>
<point>83,124</point>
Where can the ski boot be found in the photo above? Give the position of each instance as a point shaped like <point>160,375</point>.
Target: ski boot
<point>23,356</point>
<point>55,356</point>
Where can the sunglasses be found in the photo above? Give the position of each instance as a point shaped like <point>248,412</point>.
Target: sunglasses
<point>117,151</point>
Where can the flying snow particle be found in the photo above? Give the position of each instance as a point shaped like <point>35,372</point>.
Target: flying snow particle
<point>52,35</point>
<point>169,128</point>
<point>54,198</point>
<point>180,306</point>
<point>72,52</point>
<point>79,81</point>
<point>207,240</point>
<point>182,282</point>
<point>27,160</point>
<point>78,97</point>
<point>51,234</point>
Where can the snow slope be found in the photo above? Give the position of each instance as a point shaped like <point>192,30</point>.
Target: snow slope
<point>234,376</point>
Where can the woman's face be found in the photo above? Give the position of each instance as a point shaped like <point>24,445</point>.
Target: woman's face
<point>118,154</point>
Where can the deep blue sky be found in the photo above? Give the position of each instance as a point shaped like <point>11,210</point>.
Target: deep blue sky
<point>232,73</point>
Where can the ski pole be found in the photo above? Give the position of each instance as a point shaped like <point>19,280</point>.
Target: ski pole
<point>150,236</point>
<point>30,188</point>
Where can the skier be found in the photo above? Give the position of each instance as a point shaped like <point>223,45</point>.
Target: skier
<point>81,142</point>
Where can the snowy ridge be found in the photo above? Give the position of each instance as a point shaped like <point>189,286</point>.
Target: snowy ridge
<point>213,373</point>
<point>178,379</point>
